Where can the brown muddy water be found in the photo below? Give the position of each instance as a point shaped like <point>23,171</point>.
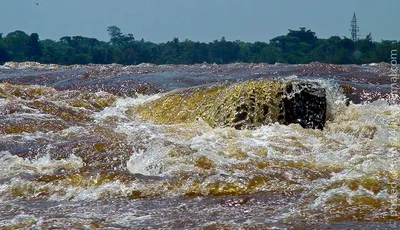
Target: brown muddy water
<point>77,152</point>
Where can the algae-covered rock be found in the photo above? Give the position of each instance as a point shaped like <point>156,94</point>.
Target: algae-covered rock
<point>242,105</point>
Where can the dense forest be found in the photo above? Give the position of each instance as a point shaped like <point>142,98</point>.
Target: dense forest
<point>297,46</point>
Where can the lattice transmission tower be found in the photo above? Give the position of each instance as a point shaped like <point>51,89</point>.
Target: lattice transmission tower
<point>354,28</point>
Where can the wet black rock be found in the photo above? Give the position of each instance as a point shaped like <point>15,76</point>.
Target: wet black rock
<point>304,104</point>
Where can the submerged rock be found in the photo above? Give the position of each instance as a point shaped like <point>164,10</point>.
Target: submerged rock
<point>244,105</point>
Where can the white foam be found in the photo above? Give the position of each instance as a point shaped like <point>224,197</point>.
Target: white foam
<point>11,165</point>
<point>150,161</point>
<point>122,105</point>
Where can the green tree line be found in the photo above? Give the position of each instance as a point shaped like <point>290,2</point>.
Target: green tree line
<point>296,47</point>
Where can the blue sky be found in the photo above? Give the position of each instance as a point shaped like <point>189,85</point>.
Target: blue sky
<point>199,20</point>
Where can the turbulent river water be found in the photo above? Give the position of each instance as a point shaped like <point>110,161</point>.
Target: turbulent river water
<point>75,151</point>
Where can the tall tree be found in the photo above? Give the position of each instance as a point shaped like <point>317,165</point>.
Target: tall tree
<point>115,35</point>
<point>15,43</point>
<point>33,50</point>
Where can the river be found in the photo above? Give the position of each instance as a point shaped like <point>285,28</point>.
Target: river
<point>76,153</point>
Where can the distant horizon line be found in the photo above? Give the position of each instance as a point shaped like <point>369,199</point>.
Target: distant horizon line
<point>193,40</point>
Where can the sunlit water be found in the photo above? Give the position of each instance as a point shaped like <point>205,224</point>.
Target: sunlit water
<point>77,158</point>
